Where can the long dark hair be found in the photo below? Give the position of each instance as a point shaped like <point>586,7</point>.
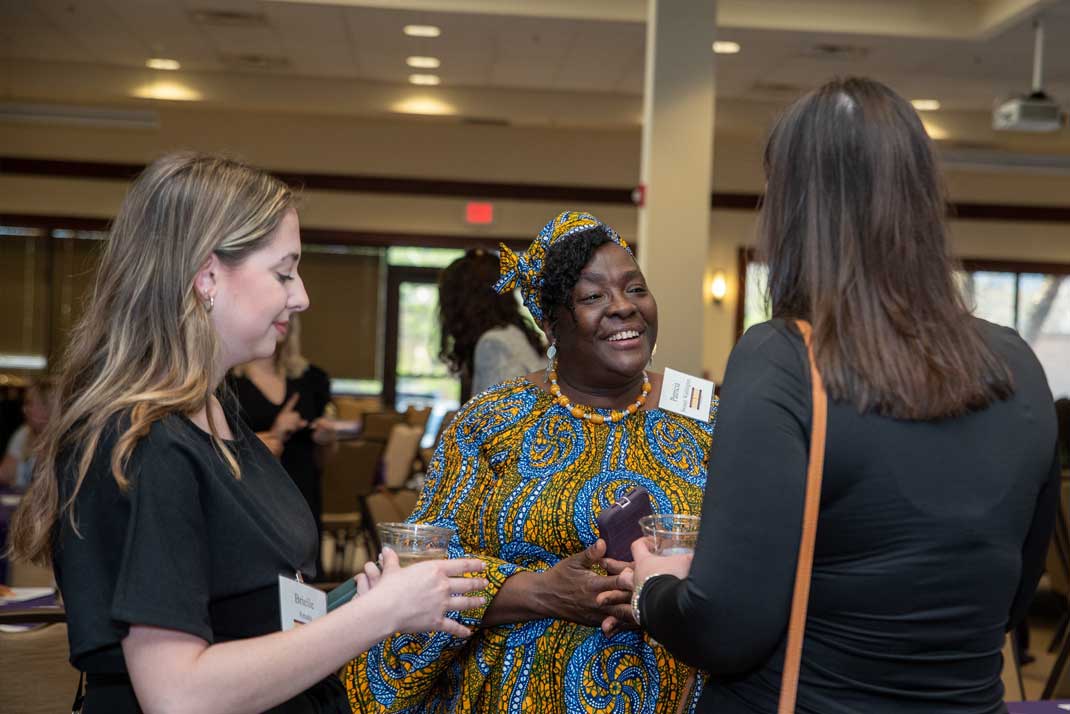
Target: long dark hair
<point>468,306</point>
<point>852,227</point>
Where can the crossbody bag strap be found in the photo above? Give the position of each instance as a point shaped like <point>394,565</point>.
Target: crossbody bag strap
<point>789,684</point>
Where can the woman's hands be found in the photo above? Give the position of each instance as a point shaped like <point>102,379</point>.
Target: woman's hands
<point>287,421</point>
<point>571,590</point>
<point>647,564</point>
<point>421,594</point>
<point>323,433</point>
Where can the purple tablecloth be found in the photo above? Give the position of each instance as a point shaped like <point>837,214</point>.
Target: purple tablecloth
<point>1054,706</point>
<point>43,601</point>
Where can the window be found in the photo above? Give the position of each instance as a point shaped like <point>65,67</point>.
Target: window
<point>1032,298</point>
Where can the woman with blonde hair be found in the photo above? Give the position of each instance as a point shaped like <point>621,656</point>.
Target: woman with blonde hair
<point>167,522</point>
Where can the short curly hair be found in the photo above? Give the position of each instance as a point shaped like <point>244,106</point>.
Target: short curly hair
<point>564,262</point>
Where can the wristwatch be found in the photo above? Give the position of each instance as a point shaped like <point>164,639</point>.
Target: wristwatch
<point>637,593</point>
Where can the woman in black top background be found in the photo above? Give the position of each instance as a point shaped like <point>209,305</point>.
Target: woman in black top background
<point>283,399</point>
<point>941,472</point>
<point>167,521</point>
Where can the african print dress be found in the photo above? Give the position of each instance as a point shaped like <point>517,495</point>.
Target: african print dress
<point>522,481</point>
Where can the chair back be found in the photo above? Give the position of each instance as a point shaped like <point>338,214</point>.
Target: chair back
<point>35,676</point>
<point>349,474</point>
<point>417,417</point>
<point>377,425</point>
<point>354,408</point>
<point>401,450</point>
<point>29,575</point>
<point>388,507</point>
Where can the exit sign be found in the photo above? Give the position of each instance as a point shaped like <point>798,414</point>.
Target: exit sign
<point>478,213</point>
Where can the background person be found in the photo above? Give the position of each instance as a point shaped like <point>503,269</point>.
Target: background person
<point>485,337</point>
<point>17,465</point>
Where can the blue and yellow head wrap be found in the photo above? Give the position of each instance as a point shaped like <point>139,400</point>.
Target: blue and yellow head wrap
<point>525,271</point>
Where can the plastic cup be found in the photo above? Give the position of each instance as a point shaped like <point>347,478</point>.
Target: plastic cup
<point>415,542</point>
<point>670,533</point>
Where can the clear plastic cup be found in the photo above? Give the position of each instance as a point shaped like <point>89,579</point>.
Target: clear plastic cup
<point>670,533</point>
<point>415,542</point>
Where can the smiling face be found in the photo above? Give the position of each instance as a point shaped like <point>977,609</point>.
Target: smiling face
<point>255,298</point>
<point>609,335</point>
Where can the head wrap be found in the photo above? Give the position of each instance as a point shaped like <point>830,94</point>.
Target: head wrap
<point>525,270</point>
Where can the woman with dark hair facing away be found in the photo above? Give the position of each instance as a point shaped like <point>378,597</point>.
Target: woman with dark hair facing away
<point>940,467</point>
<point>522,473</point>
<point>167,521</point>
<point>485,337</point>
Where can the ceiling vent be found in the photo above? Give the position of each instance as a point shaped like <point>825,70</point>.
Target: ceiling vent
<point>229,18</point>
<point>486,121</point>
<point>255,62</point>
<point>830,52</point>
<point>777,90</point>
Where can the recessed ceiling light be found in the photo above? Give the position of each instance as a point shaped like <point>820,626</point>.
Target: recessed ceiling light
<point>169,91</point>
<point>428,80</point>
<point>726,48</point>
<point>427,106</point>
<point>423,62</point>
<point>422,31</point>
<point>926,105</point>
<point>162,63</point>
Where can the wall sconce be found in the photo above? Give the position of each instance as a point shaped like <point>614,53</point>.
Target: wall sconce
<point>718,286</point>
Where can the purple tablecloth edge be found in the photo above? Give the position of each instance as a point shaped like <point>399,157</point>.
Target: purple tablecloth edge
<point>43,601</point>
<point>1045,707</point>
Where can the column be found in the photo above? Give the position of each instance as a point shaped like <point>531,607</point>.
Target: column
<point>675,172</point>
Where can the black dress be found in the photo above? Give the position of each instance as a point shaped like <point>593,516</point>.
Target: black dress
<point>186,547</point>
<point>930,542</point>
<point>298,457</point>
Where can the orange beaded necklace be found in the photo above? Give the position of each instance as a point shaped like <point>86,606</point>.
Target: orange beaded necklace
<point>582,412</point>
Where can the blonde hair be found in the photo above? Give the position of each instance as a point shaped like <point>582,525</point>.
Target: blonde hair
<point>145,347</point>
<point>287,359</point>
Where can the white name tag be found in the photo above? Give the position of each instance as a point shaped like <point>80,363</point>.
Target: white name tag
<point>299,604</point>
<point>687,395</point>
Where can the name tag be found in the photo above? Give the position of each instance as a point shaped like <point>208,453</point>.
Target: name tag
<point>684,394</point>
<point>299,604</point>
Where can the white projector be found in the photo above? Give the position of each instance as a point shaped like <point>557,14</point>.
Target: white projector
<point>1036,112</point>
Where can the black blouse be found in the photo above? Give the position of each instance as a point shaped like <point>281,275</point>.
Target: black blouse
<point>298,457</point>
<point>930,542</point>
<point>186,547</point>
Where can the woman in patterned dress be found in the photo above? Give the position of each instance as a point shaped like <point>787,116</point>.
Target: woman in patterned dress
<point>521,475</point>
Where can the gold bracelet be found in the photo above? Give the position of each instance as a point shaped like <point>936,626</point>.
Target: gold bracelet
<point>637,593</point>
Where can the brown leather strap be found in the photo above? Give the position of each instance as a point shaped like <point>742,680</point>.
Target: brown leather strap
<point>789,684</point>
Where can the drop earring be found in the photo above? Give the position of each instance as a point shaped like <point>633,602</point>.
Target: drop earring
<point>211,302</point>
<point>653,351</point>
<point>551,359</point>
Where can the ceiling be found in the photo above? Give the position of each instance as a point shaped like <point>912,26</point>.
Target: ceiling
<point>965,53</point>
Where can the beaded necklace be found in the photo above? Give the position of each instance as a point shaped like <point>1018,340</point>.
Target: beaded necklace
<point>581,412</point>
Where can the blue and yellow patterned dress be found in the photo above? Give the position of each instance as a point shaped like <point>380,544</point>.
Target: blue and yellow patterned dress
<point>522,481</point>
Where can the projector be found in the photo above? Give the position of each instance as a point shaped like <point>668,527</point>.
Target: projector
<point>1036,112</point>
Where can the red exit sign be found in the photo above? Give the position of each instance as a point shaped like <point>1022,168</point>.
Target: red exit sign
<point>479,213</point>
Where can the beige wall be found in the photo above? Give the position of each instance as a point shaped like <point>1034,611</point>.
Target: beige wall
<point>449,150</point>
